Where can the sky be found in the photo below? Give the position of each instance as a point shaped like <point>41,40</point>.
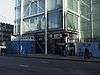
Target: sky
<point>7,11</point>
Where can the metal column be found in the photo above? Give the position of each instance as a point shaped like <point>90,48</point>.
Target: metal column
<point>46,52</point>
<point>21,27</point>
<point>79,16</point>
<point>63,3</point>
<point>92,20</point>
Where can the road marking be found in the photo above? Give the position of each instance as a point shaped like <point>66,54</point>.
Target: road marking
<point>24,66</point>
<point>46,62</point>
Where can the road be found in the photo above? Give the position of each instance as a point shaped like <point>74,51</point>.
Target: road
<point>33,66</point>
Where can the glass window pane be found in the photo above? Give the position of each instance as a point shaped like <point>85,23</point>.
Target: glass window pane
<point>17,2</point>
<point>33,8</point>
<point>86,28</point>
<point>18,13</point>
<point>73,5</point>
<point>85,10</point>
<point>54,20</point>
<point>70,4</point>
<point>54,4</point>
<point>72,21</point>
<point>87,1</point>
<point>37,23</point>
<point>33,23</point>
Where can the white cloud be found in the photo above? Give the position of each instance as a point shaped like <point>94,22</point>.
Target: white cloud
<point>7,11</point>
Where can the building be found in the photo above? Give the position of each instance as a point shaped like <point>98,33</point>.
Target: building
<point>66,22</point>
<point>6,30</point>
<point>94,45</point>
<point>86,21</point>
<point>96,20</point>
<point>17,17</point>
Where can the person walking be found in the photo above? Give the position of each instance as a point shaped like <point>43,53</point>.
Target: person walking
<point>86,53</point>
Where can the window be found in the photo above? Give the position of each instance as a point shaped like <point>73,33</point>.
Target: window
<point>86,31</point>
<point>54,4</point>
<point>35,23</point>
<point>72,21</point>
<point>33,8</point>
<point>73,5</point>
<point>85,10</point>
<point>18,13</point>
<point>54,19</point>
<point>87,1</point>
<point>18,2</point>
<point>41,6</point>
<point>85,24</point>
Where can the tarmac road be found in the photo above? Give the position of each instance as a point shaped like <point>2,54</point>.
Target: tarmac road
<point>33,66</point>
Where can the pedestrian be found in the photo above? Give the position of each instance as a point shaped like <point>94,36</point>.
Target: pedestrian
<point>80,51</point>
<point>86,53</point>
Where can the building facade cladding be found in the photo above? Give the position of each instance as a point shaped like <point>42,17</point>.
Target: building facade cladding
<point>85,20</point>
<point>96,20</point>
<point>79,18</point>
<point>6,30</point>
<point>67,20</point>
<point>17,16</point>
<point>34,16</point>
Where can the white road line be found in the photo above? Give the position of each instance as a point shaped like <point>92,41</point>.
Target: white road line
<point>24,65</point>
<point>46,62</point>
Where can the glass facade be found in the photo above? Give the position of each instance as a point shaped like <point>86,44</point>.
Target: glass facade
<point>55,19</point>
<point>34,11</point>
<point>96,20</point>
<point>34,14</point>
<point>75,13</point>
<point>86,30</point>
<point>32,8</point>
<point>85,20</point>
<point>71,19</point>
<point>54,4</point>
<point>17,3</point>
<point>36,23</point>
<point>17,16</point>
<point>73,5</point>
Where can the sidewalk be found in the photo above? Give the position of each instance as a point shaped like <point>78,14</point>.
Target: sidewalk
<point>57,57</point>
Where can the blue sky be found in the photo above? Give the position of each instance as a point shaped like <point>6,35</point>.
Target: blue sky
<point>7,11</point>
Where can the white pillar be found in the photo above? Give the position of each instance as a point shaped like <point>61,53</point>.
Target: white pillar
<point>92,20</point>
<point>63,4</point>
<point>46,52</point>
<point>21,27</point>
<point>79,20</point>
